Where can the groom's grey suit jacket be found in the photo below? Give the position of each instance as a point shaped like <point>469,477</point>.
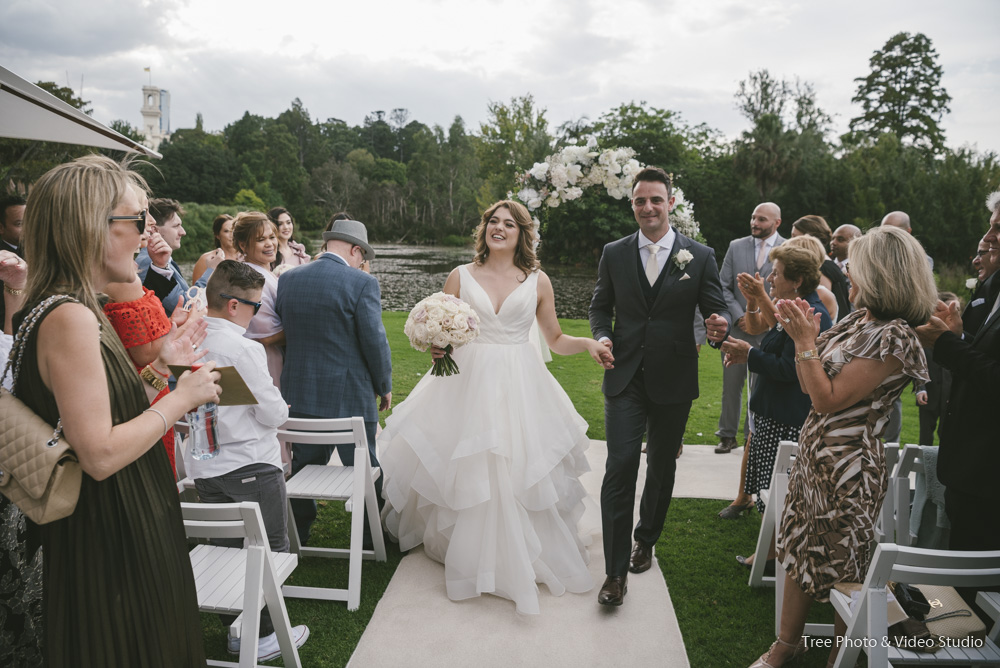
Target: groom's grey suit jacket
<point>658,338</point>
<point>337,358</point>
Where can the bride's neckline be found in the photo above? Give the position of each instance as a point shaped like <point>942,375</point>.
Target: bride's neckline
<point>503,302</point>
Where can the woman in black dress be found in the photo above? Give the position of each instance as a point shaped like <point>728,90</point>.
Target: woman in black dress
<point>117,583</point>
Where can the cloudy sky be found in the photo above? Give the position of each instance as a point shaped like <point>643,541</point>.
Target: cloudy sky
<point>442,58</point>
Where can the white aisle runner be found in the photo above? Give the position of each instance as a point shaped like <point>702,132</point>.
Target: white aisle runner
<point>415,624</point>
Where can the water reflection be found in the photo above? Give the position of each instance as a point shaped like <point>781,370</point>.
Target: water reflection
<point>407,274</point>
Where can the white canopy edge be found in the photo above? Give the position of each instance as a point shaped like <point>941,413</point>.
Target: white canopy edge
<point>28,112</point>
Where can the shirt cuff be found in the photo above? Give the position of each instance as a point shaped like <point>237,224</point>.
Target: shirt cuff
<point>165,273</point>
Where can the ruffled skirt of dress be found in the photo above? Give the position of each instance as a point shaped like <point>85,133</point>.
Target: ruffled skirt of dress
<point>483,468</point>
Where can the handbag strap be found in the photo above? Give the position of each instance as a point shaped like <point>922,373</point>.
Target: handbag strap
<point>947,615</point>
<point>16,351</point>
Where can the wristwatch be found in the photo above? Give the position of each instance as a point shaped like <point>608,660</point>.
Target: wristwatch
<point>158,383</point>
<point>806,355</point>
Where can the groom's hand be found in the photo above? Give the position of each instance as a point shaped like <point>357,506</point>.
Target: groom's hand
<point>716,327</point>
<point>385,402</point>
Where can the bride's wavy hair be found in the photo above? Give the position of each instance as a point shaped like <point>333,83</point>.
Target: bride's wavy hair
<point>525,258</point>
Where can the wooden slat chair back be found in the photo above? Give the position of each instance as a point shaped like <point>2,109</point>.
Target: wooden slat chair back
<point>239,581</point>
<point>769,522</point>
<point>912,565</point>
<point>354,485</point>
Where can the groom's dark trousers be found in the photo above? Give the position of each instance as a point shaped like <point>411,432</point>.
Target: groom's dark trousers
<point>654,380</point>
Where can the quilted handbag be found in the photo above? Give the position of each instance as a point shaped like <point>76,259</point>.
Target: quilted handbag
<point>39,472</point>
<point>950,616</point>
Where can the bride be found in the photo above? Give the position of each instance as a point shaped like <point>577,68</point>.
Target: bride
<point>483,467</point>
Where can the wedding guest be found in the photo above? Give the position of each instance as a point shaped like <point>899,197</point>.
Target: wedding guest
<point>21,626</point>
<point>852,372</point>
<point>256,238</point>
<point>932,396</point>
<point>826,296</point>
<point>11,224</point>
<point>290,252</point>
<point>841,239</point>
<point>985,292</point>
<point>118,586</point>
<point>833,278</point>
<point>778,403</point>
<point>222,232</point>
<point>248,466</point>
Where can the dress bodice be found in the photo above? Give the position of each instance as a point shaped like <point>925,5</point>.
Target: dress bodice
<point>513,322</point>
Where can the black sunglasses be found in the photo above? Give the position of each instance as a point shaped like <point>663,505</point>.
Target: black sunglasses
<point>256,305</point>
<point>139,219</point>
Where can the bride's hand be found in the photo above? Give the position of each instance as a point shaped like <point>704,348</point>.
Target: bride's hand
<point>601,354</point>
<point>438,353</point>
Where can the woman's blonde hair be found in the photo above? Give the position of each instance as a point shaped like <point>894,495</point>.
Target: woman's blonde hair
<point>246,228</point>
<point>892,276</point>
<point>800,261</point>
<point>66,227</point>
<point>525,258</point>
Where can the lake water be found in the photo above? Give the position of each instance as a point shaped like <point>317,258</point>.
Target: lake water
<point>407,274</point>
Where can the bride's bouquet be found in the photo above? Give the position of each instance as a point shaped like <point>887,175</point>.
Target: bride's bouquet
<point>444,321</point>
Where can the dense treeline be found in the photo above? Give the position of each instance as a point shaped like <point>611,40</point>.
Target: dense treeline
<point>414,183</point>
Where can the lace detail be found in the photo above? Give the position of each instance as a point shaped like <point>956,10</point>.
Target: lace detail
<point>140,321</point>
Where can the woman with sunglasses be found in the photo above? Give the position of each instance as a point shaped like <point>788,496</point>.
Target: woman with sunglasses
<point>256,237</point>
<point>117,585</point>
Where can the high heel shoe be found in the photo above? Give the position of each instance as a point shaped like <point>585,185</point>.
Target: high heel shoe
<point>797,652</point>
<point>768,565</point>
<point>733,511</point>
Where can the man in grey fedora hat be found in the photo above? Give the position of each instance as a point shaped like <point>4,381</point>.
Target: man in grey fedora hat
<point>337,358</point>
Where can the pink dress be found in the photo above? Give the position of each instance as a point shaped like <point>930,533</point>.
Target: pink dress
<point>267,323</point>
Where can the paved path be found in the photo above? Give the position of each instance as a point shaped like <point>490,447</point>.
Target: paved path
<point>415,624</point>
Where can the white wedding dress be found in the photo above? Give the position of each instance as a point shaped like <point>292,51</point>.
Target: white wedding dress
<point>483,467</point>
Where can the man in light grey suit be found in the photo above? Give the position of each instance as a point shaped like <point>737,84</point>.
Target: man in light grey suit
<point>648,285</point>
<point>745,255</point>
<point>337,358</point>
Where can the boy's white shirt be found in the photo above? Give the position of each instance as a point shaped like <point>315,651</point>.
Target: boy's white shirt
<point>247,434</point>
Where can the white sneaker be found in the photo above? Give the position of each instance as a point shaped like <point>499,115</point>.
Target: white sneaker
<point>267,647</point>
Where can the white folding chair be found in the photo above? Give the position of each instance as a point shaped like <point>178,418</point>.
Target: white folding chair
<point>237,581</point>
<point>769,521</point>
<point>885,525</point>
<point>185,484</point>
<point>910,461</point>
<point>354,485</point>
<point>912,565</point>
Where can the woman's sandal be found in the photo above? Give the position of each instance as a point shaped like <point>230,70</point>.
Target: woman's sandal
<point>797,653</point>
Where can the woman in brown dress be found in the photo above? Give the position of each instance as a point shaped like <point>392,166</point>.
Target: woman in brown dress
<point>117,585</point>
<point>852,372</point>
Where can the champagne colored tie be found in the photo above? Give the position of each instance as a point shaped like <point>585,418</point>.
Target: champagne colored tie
<point>652,266</point>
<point>761,255</point>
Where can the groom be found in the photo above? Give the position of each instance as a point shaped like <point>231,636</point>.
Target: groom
<point>648,283</point>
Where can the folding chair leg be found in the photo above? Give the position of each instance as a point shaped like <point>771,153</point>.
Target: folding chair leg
<point>764,539</point>
<point>251,608</point>
<point>295,547</point>
<point>279,617</point>
<point>361,471</point>
<point>374,521</point>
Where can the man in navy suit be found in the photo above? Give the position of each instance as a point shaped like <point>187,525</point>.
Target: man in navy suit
<point>157,269</point>
<point>337,358</point>
<point>970,438</point>
<point>648,285</point>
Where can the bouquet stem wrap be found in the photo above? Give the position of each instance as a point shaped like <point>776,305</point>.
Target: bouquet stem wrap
<point>444,321</point>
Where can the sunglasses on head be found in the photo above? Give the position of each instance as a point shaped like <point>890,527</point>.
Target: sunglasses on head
<point>139,219</point>
<point>256,305</point>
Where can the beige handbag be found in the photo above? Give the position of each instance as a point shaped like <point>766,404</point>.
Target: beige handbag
<point>950,616</point>
<point>39,471</point>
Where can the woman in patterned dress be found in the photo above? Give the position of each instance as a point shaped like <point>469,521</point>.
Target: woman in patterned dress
<point>852,373</point>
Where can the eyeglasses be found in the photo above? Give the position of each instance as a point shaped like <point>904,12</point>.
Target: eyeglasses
<point>139,219</point>
<point>256,305</point>
<point>980,253</point>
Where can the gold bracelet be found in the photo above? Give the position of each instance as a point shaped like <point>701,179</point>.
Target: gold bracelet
<point>150,377</point>
<point>12,291</point>
<point>806,355</point>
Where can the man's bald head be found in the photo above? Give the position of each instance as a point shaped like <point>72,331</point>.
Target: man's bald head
<point>765,220</point>
<point>898,219</point>
<point>841,239</point>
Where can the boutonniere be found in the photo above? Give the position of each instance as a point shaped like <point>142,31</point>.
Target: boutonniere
<point>682,258</point>
<point>972,283</point>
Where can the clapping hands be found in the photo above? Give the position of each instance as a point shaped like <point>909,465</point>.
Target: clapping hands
<point>798,319</point>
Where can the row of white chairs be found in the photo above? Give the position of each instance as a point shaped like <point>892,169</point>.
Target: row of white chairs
<point>242,581</point>
<point>867,624</point>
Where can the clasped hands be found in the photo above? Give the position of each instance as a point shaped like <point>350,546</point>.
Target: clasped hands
<point>946,318</point>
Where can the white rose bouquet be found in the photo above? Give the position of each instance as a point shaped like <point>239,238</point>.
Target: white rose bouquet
<point>444,321</point>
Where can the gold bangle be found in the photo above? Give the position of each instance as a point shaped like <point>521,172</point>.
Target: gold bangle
<point>149,376</point>
<point>11,291</point>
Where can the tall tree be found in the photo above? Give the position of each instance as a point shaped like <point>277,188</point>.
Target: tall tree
<point>903,94</point>
<point>516,135</point>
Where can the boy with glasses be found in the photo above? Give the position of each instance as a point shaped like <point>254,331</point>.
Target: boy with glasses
<point>248,466</point>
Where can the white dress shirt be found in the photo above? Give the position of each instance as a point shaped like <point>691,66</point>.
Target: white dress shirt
<point>665,243</point>
<point>247,434</point>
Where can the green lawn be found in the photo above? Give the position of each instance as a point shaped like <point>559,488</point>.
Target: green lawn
<point>724,622</point>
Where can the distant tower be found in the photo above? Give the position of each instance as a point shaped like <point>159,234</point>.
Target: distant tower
<point>155,116</point>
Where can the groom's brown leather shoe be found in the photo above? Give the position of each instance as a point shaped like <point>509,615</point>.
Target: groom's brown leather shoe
<point>642,558</point>
<point>614,590</point>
